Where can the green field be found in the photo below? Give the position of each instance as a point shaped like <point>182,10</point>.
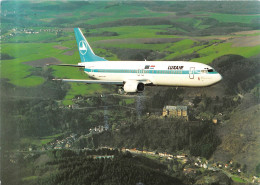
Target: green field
<point>39,141</point>
<point>127,101</point>
<point>48,139</point>
<point>237,179</point>
<point>126,32</point>
<point>118,12</point>
<point>29,178</point>
<point>33,37</point>
<point>82,89</point>
<point>233,18</point>
<point>208,54</point>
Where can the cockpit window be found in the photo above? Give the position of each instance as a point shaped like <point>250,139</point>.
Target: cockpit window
<point>203,71</point>
<point>210,70</point>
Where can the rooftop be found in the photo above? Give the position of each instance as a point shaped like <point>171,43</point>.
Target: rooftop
<point>170,107</point>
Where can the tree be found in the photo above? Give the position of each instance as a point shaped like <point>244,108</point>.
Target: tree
<point>244,168</point>
<point>257,169</point>
<point>196,101</point>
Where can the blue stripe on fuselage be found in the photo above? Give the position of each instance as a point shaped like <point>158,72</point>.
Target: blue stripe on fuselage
<point>143,71</point>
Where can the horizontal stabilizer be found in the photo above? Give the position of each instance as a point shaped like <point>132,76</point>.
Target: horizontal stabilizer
<point>92,81</point>
<point>67,65</point>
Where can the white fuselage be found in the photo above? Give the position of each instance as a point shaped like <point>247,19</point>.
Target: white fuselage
<point>166,73</point>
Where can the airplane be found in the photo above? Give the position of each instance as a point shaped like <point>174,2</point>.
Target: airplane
<point>133,76</point>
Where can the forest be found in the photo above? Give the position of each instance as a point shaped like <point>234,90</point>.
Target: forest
<point>68,167</point>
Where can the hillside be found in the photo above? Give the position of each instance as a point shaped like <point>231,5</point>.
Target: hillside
<point>96,167</point>
<point>240,135</point>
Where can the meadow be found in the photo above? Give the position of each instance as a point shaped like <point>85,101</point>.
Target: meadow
<point>234,18</point>
<point>38,141</point>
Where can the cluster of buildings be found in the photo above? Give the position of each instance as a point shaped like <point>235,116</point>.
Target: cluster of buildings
<point>175,111</point>
<point>103,156</point>
<point>6,12</point>
<point>229,167</point>
<point>28,31</point>
<point>61,144</point>
<point>181,112</point>
<point>256,180</point>
<point>98,129</point>
<point>16,31</point>
<point>201,164</point>
<point>193,163</point>
<point>183,157</point>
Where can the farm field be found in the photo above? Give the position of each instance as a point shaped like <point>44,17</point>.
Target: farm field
<point>39,142</point>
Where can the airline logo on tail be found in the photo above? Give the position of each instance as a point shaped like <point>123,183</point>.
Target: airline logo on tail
<point>85,51</point>
<point>83,47</point>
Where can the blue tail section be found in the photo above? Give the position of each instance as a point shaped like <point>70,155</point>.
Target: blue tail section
<point>85,51</point>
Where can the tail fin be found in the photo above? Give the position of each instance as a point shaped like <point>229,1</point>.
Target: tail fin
<point>85,51</point>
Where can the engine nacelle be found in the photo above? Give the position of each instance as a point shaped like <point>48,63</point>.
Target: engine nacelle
<point>133,86</point>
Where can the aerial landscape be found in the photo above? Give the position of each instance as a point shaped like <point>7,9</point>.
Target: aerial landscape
<point>55,132</point>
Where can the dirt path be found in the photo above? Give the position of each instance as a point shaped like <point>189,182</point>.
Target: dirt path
<point>61,47</point>
<point>247,41</point>
<point>43,62</point>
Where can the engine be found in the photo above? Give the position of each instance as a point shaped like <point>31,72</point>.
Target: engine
<point>133,86</point>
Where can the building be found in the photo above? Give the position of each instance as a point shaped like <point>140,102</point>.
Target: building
<point>103,156</point>
<point>181,156</point>
<point>175,111</point>
<point>215,120</point>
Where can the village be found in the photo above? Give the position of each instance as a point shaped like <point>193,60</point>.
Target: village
<point>60,144</point>
<point>25,31</point>
<point>190,165</point>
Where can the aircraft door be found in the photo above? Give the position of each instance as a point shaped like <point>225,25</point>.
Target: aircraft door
<point>191,72</point>
<point>92,72</point>
<point>140,72</point>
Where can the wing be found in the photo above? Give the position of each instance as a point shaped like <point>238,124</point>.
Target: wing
<point>111,82</point>
<point>92,81</point>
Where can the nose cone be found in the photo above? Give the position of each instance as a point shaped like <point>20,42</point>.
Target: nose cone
<point>219,77</point>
